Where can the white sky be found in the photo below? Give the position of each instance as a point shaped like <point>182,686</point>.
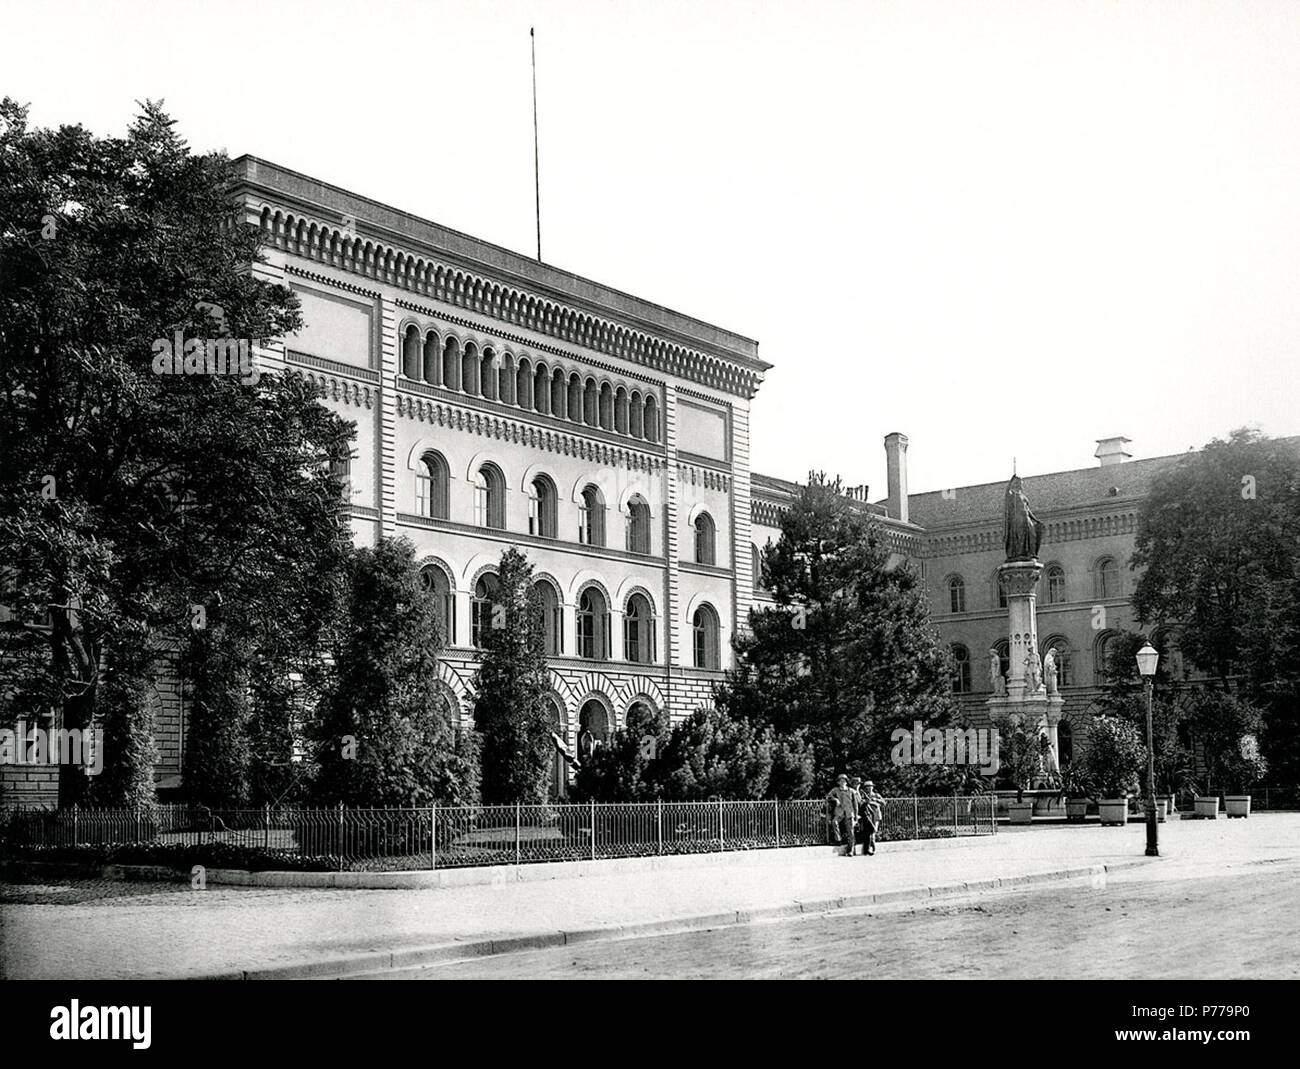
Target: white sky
<point>1001,228</point>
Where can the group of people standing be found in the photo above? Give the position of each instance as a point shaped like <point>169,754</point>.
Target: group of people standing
<point>855,808</point>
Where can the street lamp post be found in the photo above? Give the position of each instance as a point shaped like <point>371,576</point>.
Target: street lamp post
<point>1147,659</point>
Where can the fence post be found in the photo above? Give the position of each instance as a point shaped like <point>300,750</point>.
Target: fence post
<point>266,825</point>
<point>955,829</point>
<point>776,820</point>
<point>720,843</point>
<point>593,829</point>
<point>340,836</point>
<point>660,822</point>
<point>137,823</point>
<point>74,823</point>
<point>516,833</point>
<point>916,817</point>
<point>433,836</point>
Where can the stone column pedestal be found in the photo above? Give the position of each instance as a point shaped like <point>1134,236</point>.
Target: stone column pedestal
<point>1020,580</point>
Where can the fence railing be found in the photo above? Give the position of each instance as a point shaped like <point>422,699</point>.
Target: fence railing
<point>459,837</point>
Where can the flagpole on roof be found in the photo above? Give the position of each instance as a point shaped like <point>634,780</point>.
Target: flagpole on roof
<point>537,183</point>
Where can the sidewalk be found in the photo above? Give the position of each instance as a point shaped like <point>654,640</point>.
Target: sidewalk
<point>281,932</point>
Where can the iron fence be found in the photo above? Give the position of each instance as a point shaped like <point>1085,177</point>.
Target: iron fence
<point>465,836</point>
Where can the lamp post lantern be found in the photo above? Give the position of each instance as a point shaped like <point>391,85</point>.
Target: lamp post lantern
<point>1147,659</point>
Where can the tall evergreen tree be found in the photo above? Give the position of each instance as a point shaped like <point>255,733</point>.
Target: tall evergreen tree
<point>510,688</point>
<point>128,497</point>
<point>385,735</point>
<point>847,653</point>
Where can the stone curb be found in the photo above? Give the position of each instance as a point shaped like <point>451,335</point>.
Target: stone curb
<point>378,961</point>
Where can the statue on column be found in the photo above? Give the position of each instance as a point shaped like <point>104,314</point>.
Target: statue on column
<point>1022,532</point>
<point>1032,680</point>
<point>995,673</point>
<point>1049,669</point>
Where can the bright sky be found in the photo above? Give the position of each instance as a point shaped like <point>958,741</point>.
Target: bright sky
<point>1001,228</point>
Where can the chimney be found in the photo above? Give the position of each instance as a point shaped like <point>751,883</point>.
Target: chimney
<point>1111,451</point>
<point>896,459</point>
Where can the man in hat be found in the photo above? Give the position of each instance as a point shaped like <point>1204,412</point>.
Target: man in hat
<point>872,813</point>
<point>843,803</point>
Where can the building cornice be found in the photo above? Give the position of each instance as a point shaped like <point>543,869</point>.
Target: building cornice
<point>315,221</point>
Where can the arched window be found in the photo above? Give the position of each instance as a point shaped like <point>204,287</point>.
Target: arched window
<point>594,721</point>
<point>593,625</point>
<point>575,398</point>
<point>506,380</point>
<point>557,783</point>
<point>470,370</point>
<point>961,669</point>
<point>651,419</point>
<point>638,631</point>
<point>556,395</point>
<point>541,507</point>
<point>1064,660</point>
<point>552,620</point>
<point>956,594</point>
<point>1055,585</point>
<point>1101,656</point>
<point>486,592</point>
<point>620,410</point>
<point>542,390</point>
<point>756,566</point>
<point>412,356</point>
<point>705,539</point>
<point>1107,578</point>
<point>487,377</point>
<point>490,497</point>
<point>638,525</point>
<point>999,584</point>
<point>705,625</point>
<point>607,406</point>
<point>432,479</point>
<point>451,364</point>
<point>591,520</point>
<point>432,359</point>
<point>636,416</point>
<point>434,580</point>
<point>524,385</point>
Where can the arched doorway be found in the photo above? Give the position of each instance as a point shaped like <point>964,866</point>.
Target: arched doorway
<point>593,727</point>
<point>557,782</point>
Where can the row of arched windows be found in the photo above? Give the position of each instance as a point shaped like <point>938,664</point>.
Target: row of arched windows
<point>432,501</point>
<point>1105,575</point>
<point>531,385</point>
<point>591,618</point>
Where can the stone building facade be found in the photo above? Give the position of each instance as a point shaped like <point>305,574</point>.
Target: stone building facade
<point>502,402</point>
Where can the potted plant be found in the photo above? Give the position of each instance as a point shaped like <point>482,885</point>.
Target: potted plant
<point>1077,791</point>
<point>1239,772</point>
<point>1227,728</point>
<point>1023,751</point>
<point>1112,757</point>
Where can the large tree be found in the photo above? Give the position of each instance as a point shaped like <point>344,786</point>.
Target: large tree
<point>385,734</point>
<point>1219,544</point>
<point>510,689</point>
<point>848,652</point>
<point>136,507</point>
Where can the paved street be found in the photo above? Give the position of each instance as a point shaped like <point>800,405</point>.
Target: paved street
<point>1139,925</point>
<point>115,930</point>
